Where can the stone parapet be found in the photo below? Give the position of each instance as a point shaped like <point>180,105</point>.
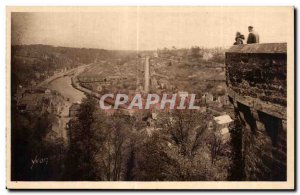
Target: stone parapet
<point>256,77</point>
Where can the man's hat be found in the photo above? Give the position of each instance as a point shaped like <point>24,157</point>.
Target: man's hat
<point>250,26</point>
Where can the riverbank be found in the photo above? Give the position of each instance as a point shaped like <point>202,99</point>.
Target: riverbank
<point>62,83</point>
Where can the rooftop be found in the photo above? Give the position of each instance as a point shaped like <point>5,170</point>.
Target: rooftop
<point>224,119</point>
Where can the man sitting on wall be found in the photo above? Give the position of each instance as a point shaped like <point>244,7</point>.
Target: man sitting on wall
<point>253,37</point>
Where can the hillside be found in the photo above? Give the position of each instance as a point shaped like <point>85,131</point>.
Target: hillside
<point>33,63</point>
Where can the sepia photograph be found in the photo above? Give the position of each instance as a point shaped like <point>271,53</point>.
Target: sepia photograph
<point>166,97</point>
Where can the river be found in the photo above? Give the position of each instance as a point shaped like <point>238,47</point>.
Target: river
<point>64,87</point>
<point>71,95</point>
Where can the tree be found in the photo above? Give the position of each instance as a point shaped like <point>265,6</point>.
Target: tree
<point>236,170</point>
<point>219,56</point>
<point>29,143</point>
<point>215,145</point>
<point>195,52</point>
<point>177,151</point>
<point>101,145</point>
<point>82,144</point>
<point>151,160</point>
<point>115,146</point>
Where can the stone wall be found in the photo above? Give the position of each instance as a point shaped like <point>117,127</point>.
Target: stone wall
<point>256,80</point>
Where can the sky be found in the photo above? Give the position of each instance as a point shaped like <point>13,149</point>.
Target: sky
<point>148,28</point>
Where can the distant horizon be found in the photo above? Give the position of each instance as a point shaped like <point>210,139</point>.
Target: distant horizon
<point>202,47</point>
<point>148,28</point>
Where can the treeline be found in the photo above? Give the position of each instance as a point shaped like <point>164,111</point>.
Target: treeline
<point>195,54</point>
<point>80,55</point>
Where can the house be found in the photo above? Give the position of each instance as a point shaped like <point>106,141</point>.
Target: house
<point>225,134</point>
<point>164,84</point>
<point>28,103</point>
<point>37,75</point>
<point>154,115</point>
<point>222,123</point>
<point>32,82</point>
<point>74,109</point>
<point>183,93</point>
<point>207,56</point>
<point>56,104</point>
<point>48,91</point>
<point>99,88</point>
<point>224,100</point>
<point>19,93</point>
<point>154,83</point>
<point>208,97</point>
<point>210,125</point>
<point>52,136</point>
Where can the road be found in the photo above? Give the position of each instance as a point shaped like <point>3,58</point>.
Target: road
<point>147,73</point>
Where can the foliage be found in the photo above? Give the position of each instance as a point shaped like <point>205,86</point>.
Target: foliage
<point>177,152</point>
<point>195,52</point>
<point>99,145</point>
<point>236,171</point>
<point>29,144</point>
<point>114,148</point>
<point>82,146</point>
